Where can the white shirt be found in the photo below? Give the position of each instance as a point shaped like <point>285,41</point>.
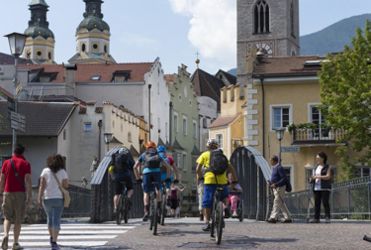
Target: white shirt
<point>317,184</point>
<point>52,190</point>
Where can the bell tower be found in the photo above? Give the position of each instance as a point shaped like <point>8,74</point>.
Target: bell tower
<point>93,36</point>
<point>40,41</point>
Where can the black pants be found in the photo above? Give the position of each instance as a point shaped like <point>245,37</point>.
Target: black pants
<point>325,197</point>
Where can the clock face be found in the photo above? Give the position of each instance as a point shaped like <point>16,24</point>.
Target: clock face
<point>265,48</point>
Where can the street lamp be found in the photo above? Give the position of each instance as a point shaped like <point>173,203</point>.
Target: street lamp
<point>108,139</point>
<point>149,111</point>
<point>17,42</point>
<point>279,134</point>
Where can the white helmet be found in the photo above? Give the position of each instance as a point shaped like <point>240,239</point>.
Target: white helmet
<point>212,142</point>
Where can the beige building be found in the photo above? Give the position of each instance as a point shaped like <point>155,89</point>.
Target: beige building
<point>228,128</point>
<point>284,92</point>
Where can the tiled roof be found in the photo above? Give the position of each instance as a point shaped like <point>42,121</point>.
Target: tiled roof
<point>56,71</point>
<point>105,72</point>
<point>223,121</point>
<point>9,59</point>
<point>286,66</point>
<point>170,78</point>
<point>207,85</point>
<point>42,118</point>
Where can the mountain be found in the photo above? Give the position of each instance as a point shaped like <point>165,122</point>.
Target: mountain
<point>334,37</point>
<point>331,39</point>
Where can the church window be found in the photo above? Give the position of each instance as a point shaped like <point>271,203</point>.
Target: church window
<point>261,17</point>
<point>28,54</point>
<point>50,55</point>
<point>105,49</point>
<point>83,47</point>
<point>95,46</point>
<point>39,53</point>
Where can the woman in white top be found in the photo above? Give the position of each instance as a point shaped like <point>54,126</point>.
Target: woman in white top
<point>51,197</point>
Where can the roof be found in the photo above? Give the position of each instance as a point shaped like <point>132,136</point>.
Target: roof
<point>170,77</point>
<point>85,72</point>
<point>54,71</point>
<point>229,77</point>
<point>222,121</point>
<point>206,84</point>
<point>6,59</point>
<point>42,118</point>
<point>36,2</point>
<point>288,66</point>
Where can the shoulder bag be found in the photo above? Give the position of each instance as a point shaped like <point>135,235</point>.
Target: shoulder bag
<point>65,193</point>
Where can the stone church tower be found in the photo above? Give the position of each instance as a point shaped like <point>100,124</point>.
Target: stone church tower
<point>92,36</point>
<point>40,41</point>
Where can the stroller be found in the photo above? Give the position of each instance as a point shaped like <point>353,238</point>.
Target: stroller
<point>235,197</point>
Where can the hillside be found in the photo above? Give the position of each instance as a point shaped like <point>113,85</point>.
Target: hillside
<point>334,37</point>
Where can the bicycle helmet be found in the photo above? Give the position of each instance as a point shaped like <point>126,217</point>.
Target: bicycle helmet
<point>161,149</point>
<point>212,143</point>
<point>150,144</point>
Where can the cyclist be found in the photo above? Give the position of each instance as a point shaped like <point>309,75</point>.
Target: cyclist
<point>211,181</point>
<point>151,163</point>
<point>170,160</point>
<point>122,164</point>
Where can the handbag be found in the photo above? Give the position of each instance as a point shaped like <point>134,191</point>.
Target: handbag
<point>65,193</point>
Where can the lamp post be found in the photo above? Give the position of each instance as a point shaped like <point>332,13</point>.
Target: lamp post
<point>17,42</point>
<point>149,110</point>
<point>108,138</point>
<point>279,134</point>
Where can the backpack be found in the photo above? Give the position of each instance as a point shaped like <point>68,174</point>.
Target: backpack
<point>123,161</point>
<point>288,185</point>
<point>152,160</point>
<point>218,162</point>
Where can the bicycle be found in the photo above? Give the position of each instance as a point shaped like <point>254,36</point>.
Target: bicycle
<point>217,217</point>
<point>153,211</point>
<point>122,211</point>
<point>163,203</point>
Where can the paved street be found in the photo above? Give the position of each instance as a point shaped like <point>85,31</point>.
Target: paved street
<point>186,234</point>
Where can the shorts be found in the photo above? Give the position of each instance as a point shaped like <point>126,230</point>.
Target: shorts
<point>209,190</point>
<point>14,207</point>
<point>119,185</point>
<point>151,181</point>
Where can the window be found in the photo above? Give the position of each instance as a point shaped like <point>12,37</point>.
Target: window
<point>88,126</point>
<point>83,47</point>
<point>39,53</point>
<point>363,172</point>
<point>64,135</point>
<point>95,46</point>
<point>95,77</point>
<point>185,125</point>
<point>194,129</point>
<point>280,117</point>
<point>129,137</point>
<point>50,55</point>
<point>317,118</point>
<point>261,17</point>
<point>176,123</point>
<point>105,49</point>
<point>219,139</point>
<point>204,122</point>
<point>184,160</point>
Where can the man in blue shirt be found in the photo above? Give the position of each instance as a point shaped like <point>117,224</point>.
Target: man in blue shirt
<point>278,184</point>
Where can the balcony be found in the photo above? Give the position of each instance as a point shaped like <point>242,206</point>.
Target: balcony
<point>317,135</point>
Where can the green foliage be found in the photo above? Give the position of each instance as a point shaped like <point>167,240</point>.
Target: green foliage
<point>345,81</point>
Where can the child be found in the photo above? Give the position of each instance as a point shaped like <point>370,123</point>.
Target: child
<point>173,199</point>
<point>235,191</point>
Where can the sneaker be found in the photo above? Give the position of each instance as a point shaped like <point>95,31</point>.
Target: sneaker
<point>271,220</point>
<point>4,244</point>
<point>145,217</point>
<point>314,221</point>
<point>16,246</point>
<point>206,227</point>
<point>287,221</point>
<point>55,246</point>
<point>234,215</point>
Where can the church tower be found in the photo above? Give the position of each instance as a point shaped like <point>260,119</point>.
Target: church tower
<point>40,41</point>
<point>92,36</point>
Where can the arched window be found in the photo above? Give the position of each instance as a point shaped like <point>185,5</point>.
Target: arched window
<point>83,47</point>
<point>261,17</point>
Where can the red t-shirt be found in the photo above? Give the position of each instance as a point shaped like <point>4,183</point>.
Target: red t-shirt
<point>12,183</point>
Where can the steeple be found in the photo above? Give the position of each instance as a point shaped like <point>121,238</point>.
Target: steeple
<point>92,36</point>
<point>40,39</point>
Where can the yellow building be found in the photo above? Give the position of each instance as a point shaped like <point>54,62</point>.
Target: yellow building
<point>284,92</point>
<point>228,128</point>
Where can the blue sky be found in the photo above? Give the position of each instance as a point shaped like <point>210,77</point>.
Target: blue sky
<point>174,30</point>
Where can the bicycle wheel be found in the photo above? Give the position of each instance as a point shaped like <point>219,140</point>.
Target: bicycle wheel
<point>240,211</point>
<point>213,218</point>
<point>219,222</point>
<point>155,217</point>
<point>163,210</point>
<point>125,212</point>
<point>151,213</point>
<point>119,212</point>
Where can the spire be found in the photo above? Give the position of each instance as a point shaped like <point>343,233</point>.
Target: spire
<point>197,59</point>
<point>93,17</point>
<point>38,25</point>
<point>36,2</point>
<point>93,8</point>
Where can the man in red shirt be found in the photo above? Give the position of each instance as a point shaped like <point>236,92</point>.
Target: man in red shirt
<point>15,193</point>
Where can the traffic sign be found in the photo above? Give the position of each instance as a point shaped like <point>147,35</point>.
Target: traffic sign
<point>18,121</point>
<point>18,126</point>
<point>290,149</point>
<point>17,117</point>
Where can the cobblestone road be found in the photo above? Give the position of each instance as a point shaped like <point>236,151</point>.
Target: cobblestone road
<point>186,234</point>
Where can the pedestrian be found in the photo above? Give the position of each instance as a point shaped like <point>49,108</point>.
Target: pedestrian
<point>321,181</point>
<point>200,192</point>
<point>50,196</point>
<point>15,194</point>
<point>278,184</point>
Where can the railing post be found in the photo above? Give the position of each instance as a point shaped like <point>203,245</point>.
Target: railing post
<point>348,187</point>
<point>369,198</point>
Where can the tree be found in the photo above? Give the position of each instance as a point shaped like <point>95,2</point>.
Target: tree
<point>345,81</point>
